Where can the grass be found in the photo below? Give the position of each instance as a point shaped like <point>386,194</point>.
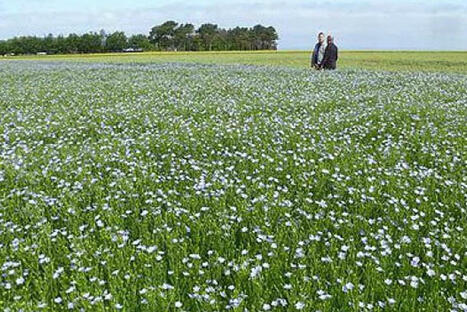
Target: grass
<point>372,60</point>
<point>128,182</point>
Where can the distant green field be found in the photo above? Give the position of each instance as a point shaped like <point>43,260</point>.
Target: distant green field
<point>373,60</point>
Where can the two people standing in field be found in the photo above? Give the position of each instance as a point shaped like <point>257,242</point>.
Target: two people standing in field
<point>324,54</point>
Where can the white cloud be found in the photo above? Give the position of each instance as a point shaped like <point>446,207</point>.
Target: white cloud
<point>363,25</point>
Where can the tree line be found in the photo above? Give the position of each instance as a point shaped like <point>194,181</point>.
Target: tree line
<point>168,36</point>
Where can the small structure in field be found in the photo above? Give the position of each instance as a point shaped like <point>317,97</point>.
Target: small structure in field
<point>41,53</point>
<point>129,50</point>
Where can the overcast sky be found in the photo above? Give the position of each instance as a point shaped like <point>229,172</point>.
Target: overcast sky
<point>364,24</point>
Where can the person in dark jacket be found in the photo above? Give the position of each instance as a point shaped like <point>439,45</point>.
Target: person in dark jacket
<point>330,54</point>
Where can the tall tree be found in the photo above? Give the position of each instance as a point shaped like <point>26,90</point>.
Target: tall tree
<point>116,41</point>
<point>272,38</point>
<point>140,41</point>
<point>240,38</point>
<point>162,35</point>
<point>90,43</point>
<point>208,33</point>
<point>258,36</point>
<point>168,36</point>
<point>4,49</point>
<point>73,42</point>
<point>60,44</point>
<point>183,36</point>
<point>220,41</point>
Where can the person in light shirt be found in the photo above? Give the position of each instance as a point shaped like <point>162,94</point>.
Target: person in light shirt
<point>318,52</point>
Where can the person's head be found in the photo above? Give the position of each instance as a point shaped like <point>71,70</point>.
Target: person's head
<point>330,39</point>
<point>321,37</point>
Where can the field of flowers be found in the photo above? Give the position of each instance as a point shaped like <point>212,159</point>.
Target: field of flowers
<point>178,187</point>
<point>427,61</point>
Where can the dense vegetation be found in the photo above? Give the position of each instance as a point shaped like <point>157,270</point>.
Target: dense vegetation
<point>169,36</point>
<point>188,187</point>
<point>374,60</point>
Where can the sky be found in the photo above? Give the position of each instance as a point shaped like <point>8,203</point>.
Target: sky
<point>356,25</point>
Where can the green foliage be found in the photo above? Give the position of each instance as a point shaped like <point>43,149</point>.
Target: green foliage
<point>183,37</point>
<point>162,36</point>
<point>91,43</point>
<point>190,187</point>
<point>116,41</point>
<point>140,41</point>
<point>208,33</point>
<point>169,36</point>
